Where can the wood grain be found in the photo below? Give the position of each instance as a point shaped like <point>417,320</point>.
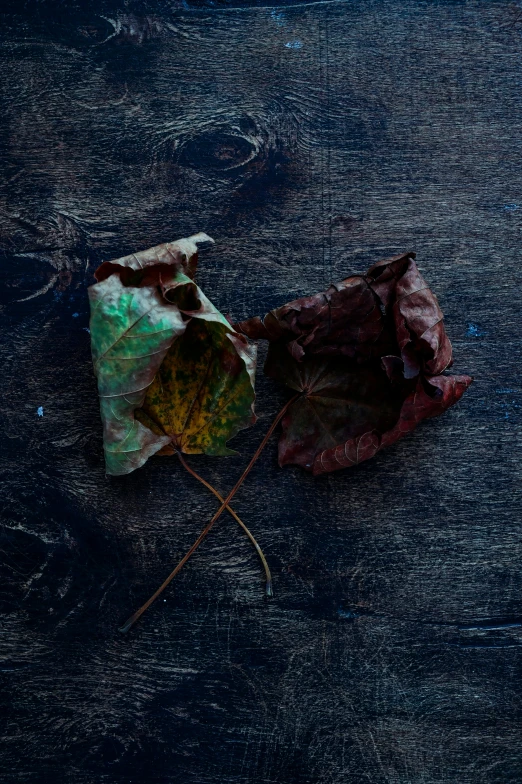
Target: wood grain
<point>309,141</point>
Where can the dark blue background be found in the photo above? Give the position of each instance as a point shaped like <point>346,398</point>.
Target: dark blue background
<point>309,141</point>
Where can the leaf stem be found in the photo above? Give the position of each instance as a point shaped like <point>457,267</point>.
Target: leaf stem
<point>268,586</point>
<point>132,620</point>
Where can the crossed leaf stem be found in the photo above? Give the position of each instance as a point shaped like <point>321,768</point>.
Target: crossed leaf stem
<point>132,620</point>
<point>268,587</point>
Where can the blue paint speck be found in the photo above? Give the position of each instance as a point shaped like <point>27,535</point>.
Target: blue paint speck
<point>278,17</point>
<point>509,407</point>
<point>39,410</point>
<point>294,45</point>
<point>75,315</point>
<point>351,616</point>
<point>511,207</point>
<point>474,331</point>
<point>86,329</point>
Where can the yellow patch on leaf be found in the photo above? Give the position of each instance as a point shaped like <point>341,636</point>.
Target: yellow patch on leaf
<point>202,394</point>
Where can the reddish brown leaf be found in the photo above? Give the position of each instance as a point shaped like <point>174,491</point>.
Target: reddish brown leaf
<point>366,355</point>
<point>420,404</point>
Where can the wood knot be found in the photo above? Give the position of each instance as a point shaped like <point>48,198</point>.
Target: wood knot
<point>221,150</point>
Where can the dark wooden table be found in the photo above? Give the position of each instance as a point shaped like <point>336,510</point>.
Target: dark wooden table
<point>309,140</point>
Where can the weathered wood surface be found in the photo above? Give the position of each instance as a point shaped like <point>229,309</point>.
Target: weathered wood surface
<point>309,141</point>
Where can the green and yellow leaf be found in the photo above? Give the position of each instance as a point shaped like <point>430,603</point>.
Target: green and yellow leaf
<point>172,373</point>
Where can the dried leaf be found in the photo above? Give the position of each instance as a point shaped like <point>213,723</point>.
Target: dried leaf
<point>172,373</point>
<point>366,355</point>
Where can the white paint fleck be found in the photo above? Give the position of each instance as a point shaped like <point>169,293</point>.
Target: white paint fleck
<point>39,411</point>
<point>294,44</point>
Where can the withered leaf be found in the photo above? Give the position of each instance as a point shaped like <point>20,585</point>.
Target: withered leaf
<point>367,357</point>
<point>172,372</point>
